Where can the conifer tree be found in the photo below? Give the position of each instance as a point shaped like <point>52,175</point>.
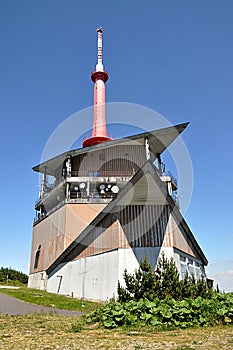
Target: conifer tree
<point>139,285</point>
<point>162,283</point>
<point>167,278</point>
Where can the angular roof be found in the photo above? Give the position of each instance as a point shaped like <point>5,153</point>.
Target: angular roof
<point>159,140</point>
<point>133,190</point>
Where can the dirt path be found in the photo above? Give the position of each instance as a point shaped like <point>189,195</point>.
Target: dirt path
<point>13,306</point>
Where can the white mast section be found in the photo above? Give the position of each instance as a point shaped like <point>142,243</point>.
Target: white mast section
<point>99,66</point>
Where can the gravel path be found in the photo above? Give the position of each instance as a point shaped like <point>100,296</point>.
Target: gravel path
<point>13,306</point>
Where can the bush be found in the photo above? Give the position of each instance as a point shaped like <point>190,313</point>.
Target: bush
<point>166,314</point>
<point>163,283</point>
<point>160,299</point>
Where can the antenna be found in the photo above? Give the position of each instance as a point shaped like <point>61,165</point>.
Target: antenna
<point>99,78</point>
<point>99,66</point>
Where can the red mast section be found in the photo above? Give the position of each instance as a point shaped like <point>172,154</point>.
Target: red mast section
<point>99,77</point>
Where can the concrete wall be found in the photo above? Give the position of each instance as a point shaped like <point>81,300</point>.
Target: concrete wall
<point>38,280</point>
<point>95,277</point>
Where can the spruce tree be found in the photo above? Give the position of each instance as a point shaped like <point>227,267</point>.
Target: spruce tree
<point>163,283</point>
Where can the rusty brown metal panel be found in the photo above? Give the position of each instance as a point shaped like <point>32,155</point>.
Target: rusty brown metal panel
<point>111,238</point>
<point>177,238</point>
<point>138,226</point>
<point>78,216</point>
<point>49,230</point>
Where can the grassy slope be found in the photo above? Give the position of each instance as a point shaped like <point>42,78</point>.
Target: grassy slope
<point>47,299</point>
<point>57,332</point>
<point>37,332</point>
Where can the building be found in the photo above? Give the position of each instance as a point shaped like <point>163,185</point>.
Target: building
<point>111,204</point>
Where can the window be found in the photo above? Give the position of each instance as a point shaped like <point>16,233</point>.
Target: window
<point>198,274</point>
<point>102,156</point>
<point>182,258</point>
<point>183,269</point>
<point>37,257</point>
<point>191,270</point>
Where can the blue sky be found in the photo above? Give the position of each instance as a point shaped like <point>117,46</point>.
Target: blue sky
<point>172,56</point>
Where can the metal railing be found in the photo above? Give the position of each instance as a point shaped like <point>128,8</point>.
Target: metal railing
<point>109,173</point>
<point>168,173</point>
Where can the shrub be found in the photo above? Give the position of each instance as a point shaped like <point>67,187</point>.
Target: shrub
<point>162,283</point>
<point>160,299</point>
<point>166,314</point>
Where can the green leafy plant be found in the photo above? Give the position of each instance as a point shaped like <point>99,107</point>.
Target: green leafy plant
<point>166,313</point>
<point>159,299</point>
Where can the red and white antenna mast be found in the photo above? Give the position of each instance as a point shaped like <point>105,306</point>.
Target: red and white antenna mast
<point>99,77</point>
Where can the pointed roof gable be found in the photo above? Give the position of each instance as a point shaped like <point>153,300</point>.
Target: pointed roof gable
<point>133,193</point>
<point>159,140</point>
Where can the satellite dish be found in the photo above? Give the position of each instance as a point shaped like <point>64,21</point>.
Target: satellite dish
<point>109,186</point>
<point>102,191</point>
<point>115,189</point>
<point>102,187</point>
<point>75,188</point>
<point>82,185</point>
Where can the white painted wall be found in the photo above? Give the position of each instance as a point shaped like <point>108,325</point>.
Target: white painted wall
<point>38,280</point>
<point>96,277</point>
<point>93,277</point>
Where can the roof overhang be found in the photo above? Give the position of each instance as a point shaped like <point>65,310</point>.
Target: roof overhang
<point>159,140</point>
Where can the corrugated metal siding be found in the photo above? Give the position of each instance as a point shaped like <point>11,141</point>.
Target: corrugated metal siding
<point>137,226</point>
<point>177,238</point>
<point>110,238</point>
<point>144,226</point>
<point>50,234</point>
<point>132,225</point>
<point>78,216</point>
<point>112,161</point>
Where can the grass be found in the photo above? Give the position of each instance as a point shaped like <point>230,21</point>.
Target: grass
<point>13,283</point>
<point>36,332</point>
<point>47,331</point>
<point>40,297</point>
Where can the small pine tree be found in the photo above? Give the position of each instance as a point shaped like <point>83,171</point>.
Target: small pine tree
<point>123,294</point>
<point>138,285</point>
<point>167,278</point>
<point>162,283</point>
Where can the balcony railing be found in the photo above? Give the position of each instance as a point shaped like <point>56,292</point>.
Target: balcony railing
<point>169,173</point>
<point>109,173</point>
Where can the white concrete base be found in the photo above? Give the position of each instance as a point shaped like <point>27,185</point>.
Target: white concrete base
<point>96,277</point>
<point>38,280</point>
